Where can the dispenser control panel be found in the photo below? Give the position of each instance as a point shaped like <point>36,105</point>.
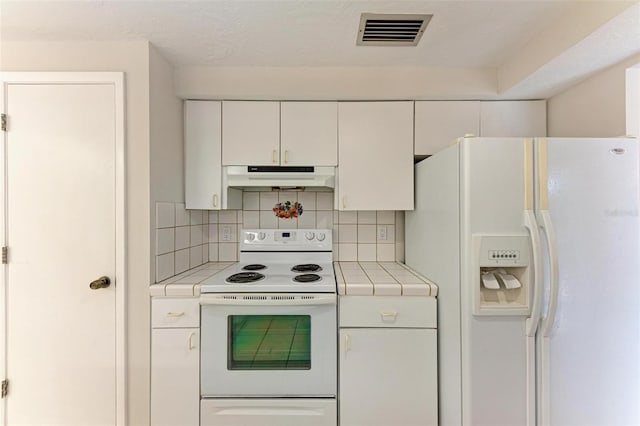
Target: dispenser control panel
<point>502,250</point>
<point>504,254</point>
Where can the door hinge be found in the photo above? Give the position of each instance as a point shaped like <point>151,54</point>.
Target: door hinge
<point>5,388</point>
<point>5,254</point>
<point>4,122</point>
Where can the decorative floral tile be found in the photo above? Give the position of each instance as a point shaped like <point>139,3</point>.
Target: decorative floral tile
<point>288,210</point>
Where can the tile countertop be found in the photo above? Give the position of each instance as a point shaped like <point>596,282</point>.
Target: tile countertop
<point>188,282</point>
<point>353,279</point>
<point>381,279</point>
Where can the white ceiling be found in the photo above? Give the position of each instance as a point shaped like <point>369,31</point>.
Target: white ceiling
<point>322,33</point>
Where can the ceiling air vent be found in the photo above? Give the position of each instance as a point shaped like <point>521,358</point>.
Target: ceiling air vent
<point>391,30</point>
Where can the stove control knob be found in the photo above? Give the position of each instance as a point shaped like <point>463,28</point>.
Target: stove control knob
<point>309,236</point>
<point>251,236</point>
<point>261,236</point>
<point>320,236</point>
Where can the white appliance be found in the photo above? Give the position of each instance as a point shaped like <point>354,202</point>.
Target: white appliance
<point>278,176</point>
<point>534,246</point>
<point>268,333</point>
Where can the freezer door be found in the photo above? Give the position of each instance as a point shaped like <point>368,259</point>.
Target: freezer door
<point>589,342</point>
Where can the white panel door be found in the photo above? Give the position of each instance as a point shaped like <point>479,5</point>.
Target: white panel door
<point>309,134</point>
<point>591,370</point>
<point>375,148</point>
<point>203,154</point>
<point>61,232</point>
<point>388,377</point>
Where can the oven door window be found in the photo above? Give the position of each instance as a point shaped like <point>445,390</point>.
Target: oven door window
<point>269,342</point>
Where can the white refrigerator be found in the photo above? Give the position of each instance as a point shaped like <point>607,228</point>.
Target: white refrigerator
<point>535,247</point>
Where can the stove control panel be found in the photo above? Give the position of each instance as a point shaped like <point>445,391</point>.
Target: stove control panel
<point>286,239</point>
<point>284,235</point>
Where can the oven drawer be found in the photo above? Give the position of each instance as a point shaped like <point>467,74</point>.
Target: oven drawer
<point>388,311</point>
<point>268,412</point>
<point>175,312</point>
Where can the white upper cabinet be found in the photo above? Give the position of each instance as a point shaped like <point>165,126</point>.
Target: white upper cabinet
<point>438,123</point>
<point>375,148</point>
<point>250,133</point>
<point>279,134</point>
<point>513,118</point>
<point>309,133</point>
<point>203,152</point>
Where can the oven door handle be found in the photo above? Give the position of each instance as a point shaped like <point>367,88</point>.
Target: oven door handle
<point>267,299</point>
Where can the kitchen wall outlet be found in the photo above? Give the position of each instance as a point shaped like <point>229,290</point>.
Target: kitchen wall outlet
<point>226,232</point>
<point>382,232</point>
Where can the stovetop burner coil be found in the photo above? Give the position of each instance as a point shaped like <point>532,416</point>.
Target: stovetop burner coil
<point>245,277</point>
<point>306,278</point>
<point>253,267</point>
<point>306,267</point>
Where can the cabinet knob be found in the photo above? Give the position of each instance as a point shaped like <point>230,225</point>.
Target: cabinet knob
<point>344,201</point>
<point>286,156</point>
<point>215,200</point>
<point>274,157</point>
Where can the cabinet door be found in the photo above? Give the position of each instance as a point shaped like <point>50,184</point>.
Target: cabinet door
<point>375,148</point>
<point>309,133</point>
<point>250,133</point>
<point>438,123</point>
<point>175,377</point>
<point>513,118</point>
<point>388,377</point>
<point>202,151</point>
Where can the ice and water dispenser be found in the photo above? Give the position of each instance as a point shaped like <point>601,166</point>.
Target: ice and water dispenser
<point>501,275</point>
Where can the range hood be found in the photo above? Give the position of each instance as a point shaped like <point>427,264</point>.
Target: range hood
<point>278,177</point>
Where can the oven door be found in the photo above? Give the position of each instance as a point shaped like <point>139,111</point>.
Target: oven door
<point>268,345</point>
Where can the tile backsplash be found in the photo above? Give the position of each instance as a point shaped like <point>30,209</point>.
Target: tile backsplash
<point>188,238</point>
<point>182,239</point>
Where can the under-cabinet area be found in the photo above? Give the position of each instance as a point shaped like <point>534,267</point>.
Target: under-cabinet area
<point>388,361</point>
<point>224,356</point>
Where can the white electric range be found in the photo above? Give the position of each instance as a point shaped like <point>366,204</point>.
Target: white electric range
<point>269,334</point>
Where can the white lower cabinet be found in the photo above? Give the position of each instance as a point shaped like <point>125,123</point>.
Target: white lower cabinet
<point>269,412</point>
<point>388,374</point>
<point>175,367</point>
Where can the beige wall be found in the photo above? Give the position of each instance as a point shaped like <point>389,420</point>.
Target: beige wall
<point>133,59</point>
<point>330,83</point>
<point>592,108</point>
<point>166,153</point>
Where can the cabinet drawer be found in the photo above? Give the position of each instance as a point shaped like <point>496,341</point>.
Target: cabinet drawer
<point>268,412</point>
<point>167,313</point>
<point>391,311</point>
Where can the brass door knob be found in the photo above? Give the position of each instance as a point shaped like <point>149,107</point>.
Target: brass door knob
<point>102,282</point>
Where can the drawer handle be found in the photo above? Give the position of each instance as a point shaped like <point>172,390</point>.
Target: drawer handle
<point>389,315</point>
<point>190,344</point>
<point>175,314</point>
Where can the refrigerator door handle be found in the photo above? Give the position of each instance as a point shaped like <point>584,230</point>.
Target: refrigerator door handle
<point>531,224</point>
<point>547,226</point>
